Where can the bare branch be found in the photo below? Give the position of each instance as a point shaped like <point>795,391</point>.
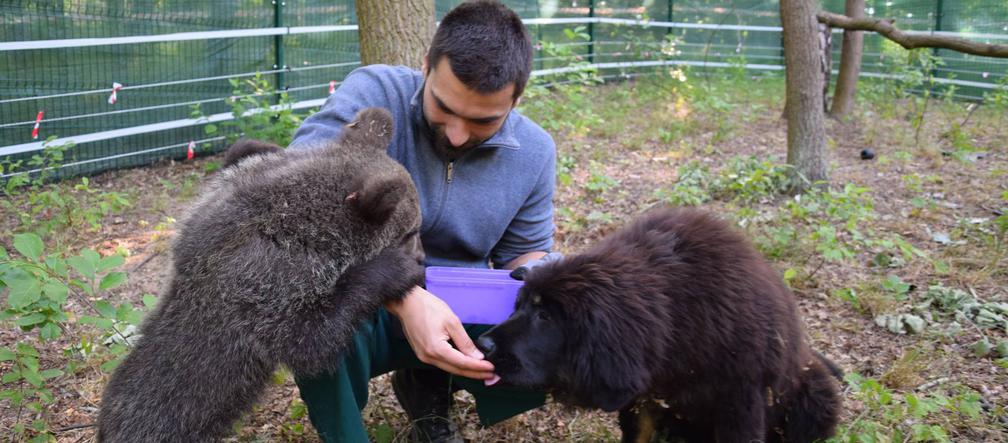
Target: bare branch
<point>911,41</point>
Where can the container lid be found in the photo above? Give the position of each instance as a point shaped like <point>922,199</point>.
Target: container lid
<point>448,274</point>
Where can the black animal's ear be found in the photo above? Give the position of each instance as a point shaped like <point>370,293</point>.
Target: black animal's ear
<point>248,147</point>
<point>610,384</point>
<point>609,357</point>
<point>375,198</point>
<point>370,127</point>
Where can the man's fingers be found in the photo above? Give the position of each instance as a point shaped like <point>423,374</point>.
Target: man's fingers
<point>462,341</point>
<point>451,360</point>
<point>475,375</point>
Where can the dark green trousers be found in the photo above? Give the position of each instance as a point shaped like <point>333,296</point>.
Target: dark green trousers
<point>335,399</point>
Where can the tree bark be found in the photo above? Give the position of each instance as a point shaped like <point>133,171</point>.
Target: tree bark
<point>825,61</point>
<point>395,32</point>
<point>806,128</point>
<point>912,41</point>
<point>850,62</point>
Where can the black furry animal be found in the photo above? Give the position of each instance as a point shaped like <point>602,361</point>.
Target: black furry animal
<point>277,264</point>
<point>680,324</point>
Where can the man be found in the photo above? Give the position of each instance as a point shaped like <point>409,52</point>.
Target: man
<point>485,175</point>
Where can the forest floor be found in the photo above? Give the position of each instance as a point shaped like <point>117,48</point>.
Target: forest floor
<point>917,233</point>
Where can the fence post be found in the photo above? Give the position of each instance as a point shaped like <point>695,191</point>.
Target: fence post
<point>937,28</point>
<point>591,32</point>
<point>278,49</point>
<point>668,18</point>
<point>538,43</point>
<point>938,15</point>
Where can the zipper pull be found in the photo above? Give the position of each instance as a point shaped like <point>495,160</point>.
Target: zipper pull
<point>449,171</point>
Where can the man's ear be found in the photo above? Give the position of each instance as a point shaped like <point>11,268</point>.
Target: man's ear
<point>517,102</point>
<point>424,65</point>
<point>375,198</point>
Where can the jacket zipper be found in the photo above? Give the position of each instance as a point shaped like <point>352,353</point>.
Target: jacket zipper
<point>449,170</point>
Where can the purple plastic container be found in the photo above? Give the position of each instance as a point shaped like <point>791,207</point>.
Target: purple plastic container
<point>480,296</point>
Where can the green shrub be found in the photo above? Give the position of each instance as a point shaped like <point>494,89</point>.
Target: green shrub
<point>38,286</point>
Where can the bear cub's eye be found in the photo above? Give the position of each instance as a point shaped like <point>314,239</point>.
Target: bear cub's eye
<point>410,235</point>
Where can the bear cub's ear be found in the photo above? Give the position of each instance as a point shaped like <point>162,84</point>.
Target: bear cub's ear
<point>376,197</point>
<point>248,147</point>
<point>370,127</point>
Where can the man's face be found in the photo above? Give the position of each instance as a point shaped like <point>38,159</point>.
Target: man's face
<point>459,117</point>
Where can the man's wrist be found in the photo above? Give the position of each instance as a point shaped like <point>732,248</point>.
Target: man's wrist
<point>394,307</point>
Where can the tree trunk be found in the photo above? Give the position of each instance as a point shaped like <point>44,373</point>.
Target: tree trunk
<point>806,128</point>
<point>825,61</point>
<point>394,32</point>
<point>850,62</point>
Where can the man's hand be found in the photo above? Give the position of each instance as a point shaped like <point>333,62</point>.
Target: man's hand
<point>429,323</point>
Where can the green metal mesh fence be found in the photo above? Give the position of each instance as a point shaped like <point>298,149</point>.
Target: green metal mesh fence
<point>172,54</point>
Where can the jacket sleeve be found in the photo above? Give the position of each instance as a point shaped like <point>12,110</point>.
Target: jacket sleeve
<point>532,228</point>
<point>360,89</point>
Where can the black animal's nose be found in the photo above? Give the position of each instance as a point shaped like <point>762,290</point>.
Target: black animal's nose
<point>486,345</point>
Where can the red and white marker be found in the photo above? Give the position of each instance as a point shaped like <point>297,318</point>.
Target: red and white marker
<point>190,153</point>
<point>332,86</point>
<point>115,88</point>
<point>38,119</point>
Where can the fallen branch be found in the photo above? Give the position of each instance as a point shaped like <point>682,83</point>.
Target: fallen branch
<point>73,428</point>
<point>932,383</point>
<point>885,28</point>
<point>146,260</point>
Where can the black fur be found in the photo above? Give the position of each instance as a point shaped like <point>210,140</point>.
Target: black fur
<point>679,323</point>
<point>285,254</point>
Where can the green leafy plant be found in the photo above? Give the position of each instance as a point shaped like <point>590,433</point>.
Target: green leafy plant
<point>888,416</point>
<point>255,113</point>
<point>998,97</point>
<point>38,286</point>
<point>52,207</point>
<point>44,163</point>
<point>880,297</point>
<point>737,67</point>
<point>691,189</point>
<point>831,219</point>
<point>749,179</point>
<point>744,179</point>
<point>598,181</point>
<point>565,166</point>
<point>559,101</point>
<point>24,386</point>
<point>46,207</point>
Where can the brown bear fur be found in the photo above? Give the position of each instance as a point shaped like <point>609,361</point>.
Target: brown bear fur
<point>278,262</point>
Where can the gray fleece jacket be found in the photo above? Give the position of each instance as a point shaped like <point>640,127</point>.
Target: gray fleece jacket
<point>487,207</point>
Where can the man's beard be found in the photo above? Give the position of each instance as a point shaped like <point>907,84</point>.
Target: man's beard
<point>444,147</point>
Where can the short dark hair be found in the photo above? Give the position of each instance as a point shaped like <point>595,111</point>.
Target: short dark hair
<point>487,46</point>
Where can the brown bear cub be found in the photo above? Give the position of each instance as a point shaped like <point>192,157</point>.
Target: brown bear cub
<point>278,262</point>
<point>680,324</point>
